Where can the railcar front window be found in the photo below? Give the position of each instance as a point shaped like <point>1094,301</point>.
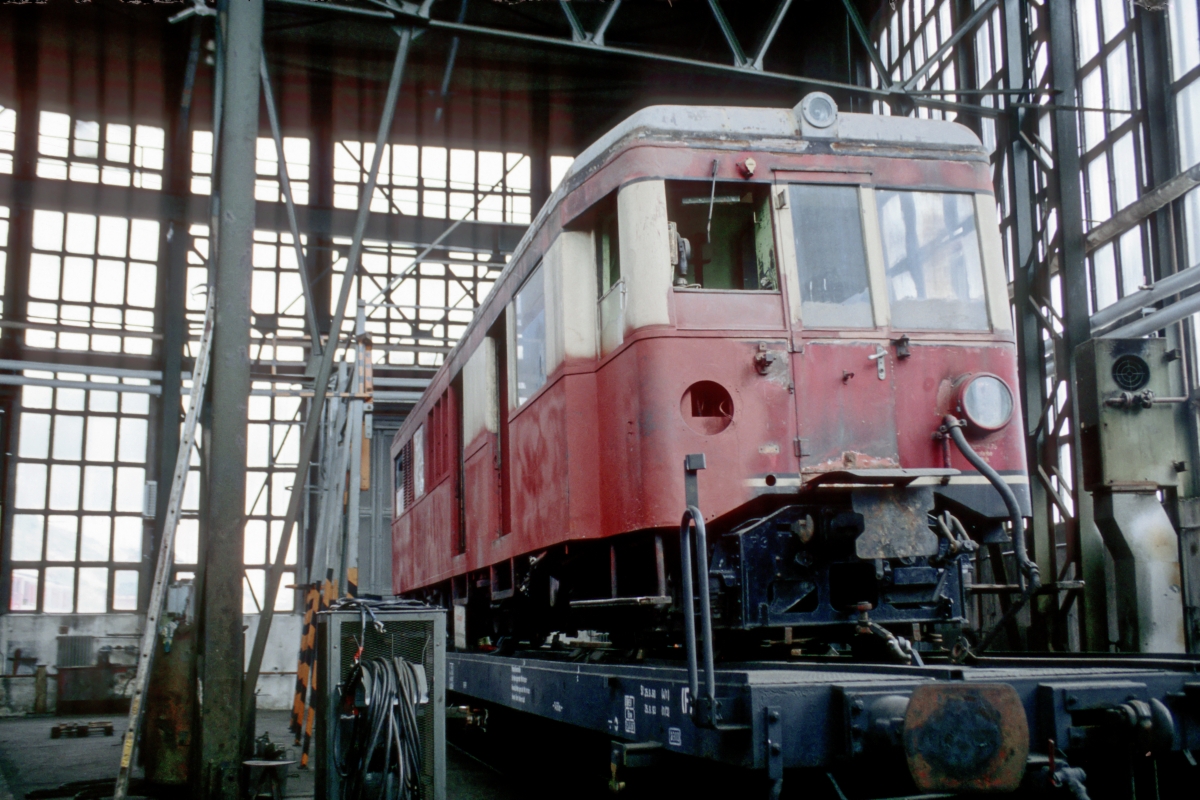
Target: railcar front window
<point>728,229</point>
<point>530,326</point>
<point>932,258</point>
<point>831,256</point>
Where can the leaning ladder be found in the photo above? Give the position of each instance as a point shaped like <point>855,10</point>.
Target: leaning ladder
<point>158,591</point>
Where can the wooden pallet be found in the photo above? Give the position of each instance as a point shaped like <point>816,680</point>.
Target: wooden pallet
<point>74,730</point>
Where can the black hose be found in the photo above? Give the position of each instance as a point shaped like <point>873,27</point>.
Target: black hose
<point>1030,578</point>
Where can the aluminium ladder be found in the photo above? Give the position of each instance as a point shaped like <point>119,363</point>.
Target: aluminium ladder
<point>158,590</point>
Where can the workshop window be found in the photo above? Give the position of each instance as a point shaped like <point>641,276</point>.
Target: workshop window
<point>96,274</point>
<point>4,218</point>
<point>435,182</point>
<point>8,141</point>
<point>78,526</point>
<point>267,188</point>
<point>92,152</point>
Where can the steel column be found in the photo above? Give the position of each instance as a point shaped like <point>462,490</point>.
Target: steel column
<point>16,278</point>
<point>222,720</point>
<point>1073,273</point>
<point>1026,266</point>
<point>174,244</point>
<point>313,425</point>
<point>354,433</point>
<point>1162,143</point>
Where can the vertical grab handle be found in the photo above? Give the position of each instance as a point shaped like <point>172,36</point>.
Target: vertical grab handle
<point>705,709</point>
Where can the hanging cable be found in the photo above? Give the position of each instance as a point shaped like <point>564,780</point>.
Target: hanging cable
<point>383,755</point>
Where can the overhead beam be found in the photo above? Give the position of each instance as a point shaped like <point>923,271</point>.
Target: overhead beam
<point>865,37</point>
<point>1136,212</point>
<point>577,32</point>
<point>602,28</point>
<point>455,28</point>
<point>769,34</point>
<point>735,47</point>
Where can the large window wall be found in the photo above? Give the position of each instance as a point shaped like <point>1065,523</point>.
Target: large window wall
<point>1020,117</point>
<point>82,515</point>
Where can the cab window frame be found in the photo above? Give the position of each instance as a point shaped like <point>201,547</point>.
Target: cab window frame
<point>688,203</point>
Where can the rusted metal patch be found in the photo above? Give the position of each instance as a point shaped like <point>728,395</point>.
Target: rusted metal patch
<point>895,522</point>
<point>966,738</point>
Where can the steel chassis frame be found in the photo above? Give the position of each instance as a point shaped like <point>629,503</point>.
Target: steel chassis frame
<point>817,714</point>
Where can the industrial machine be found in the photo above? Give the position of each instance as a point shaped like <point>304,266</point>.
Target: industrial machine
<point>380,722</point>
<point>1133,429</point>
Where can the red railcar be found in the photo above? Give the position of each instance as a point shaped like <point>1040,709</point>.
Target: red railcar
<point>815,301</point>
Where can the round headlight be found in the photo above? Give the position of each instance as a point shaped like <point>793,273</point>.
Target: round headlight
<point>818,109</point>
<point>987,402</point>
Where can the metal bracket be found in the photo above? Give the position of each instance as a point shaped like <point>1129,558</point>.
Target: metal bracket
<point>691,485</point>
<point>774,743</point>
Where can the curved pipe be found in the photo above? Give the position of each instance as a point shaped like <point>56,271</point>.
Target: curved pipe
<point>1029,570</point>
<point>693,515</point>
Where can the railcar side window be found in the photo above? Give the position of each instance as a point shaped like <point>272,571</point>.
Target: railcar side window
<point>400,505</point>
<point>405,496</point>
<point>729,230</point>
<point>932,259</point>
<point>831,256</point>
<point>418,462</point>
<point>530,308</point>
<point>608,248</point>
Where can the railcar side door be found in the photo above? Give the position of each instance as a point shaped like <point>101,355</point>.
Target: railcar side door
<point>842,363</point>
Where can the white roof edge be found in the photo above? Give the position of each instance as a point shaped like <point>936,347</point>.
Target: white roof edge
<point>735,123</point>
<point>754,123</point>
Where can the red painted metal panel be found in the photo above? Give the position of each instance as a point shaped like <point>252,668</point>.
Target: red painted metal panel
<point>847,418</point>
<point>402,560</point>
<point>706,309</point>
<point>482,499</point>
<point>583,452</point>
<point>923,397</point>
<point>538,470</point>
<point>647,428</point>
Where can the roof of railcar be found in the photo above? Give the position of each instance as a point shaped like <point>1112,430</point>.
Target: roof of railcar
<point>776,128</point>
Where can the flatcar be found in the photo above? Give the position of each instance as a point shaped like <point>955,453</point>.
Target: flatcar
<point>815,302</point>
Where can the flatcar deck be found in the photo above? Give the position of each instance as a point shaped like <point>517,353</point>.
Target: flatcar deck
<point>784,715</point>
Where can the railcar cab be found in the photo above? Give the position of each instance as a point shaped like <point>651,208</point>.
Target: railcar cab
<point>830,301</point>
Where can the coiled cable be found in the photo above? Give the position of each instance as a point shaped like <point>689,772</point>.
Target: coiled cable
<point>382,759</point>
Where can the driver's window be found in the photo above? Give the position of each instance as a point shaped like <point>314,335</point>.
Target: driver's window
<point>722,236</point>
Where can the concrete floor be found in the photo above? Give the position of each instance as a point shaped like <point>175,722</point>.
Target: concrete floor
<point>518,757</point>
<point>31,760</point>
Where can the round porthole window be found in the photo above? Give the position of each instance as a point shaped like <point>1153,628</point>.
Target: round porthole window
<point>706,407</point>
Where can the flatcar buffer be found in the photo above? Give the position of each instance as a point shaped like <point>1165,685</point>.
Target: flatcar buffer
<point>1000,724</point>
